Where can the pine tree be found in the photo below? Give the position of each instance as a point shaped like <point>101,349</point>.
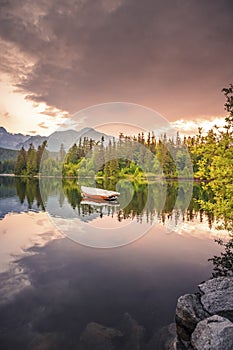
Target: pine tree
<point>21,162</point>
<point>41,152</point>
<point>31,161</point>
<point>72,155</point>
<point>62,153</point>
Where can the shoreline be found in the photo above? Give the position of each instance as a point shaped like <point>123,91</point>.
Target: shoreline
<point>102,178</point>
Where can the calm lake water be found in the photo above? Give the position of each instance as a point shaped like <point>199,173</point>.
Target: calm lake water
<point>56,278</point>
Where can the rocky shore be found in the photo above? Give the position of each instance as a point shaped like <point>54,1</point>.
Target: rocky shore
<point>204,320</point>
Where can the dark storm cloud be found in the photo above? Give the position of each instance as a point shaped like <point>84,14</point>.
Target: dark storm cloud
<point>174,56</point>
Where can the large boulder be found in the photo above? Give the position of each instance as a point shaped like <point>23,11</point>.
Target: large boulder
<point>189,312</point>
<point>213,333</point>
<point>217,296</point>
<point>204,320</point>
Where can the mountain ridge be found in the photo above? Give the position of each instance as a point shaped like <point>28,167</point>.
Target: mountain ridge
<point>67,138</point>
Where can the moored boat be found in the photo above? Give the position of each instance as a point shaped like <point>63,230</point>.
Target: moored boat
<point>98,193</point>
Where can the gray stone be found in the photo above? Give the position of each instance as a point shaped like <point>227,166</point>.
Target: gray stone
<point>213,333</point>
<point>189,312</point>
<point>217,296</point>
<point>98,337</point>
<point>182,345</point>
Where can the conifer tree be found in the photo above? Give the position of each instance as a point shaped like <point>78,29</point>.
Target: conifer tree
<point>21,162</point>
<point>31,161</point>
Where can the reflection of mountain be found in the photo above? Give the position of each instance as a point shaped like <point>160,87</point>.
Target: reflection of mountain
<point>67,137</point>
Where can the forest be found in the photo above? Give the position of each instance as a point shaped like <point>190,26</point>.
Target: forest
<point>207,157</point>
<point>204,156</point>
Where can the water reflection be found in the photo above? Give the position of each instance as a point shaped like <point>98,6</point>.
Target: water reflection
<point>52,290</point>
<point>56,288</point>
<point>158,200</point>
<point>84,221</point>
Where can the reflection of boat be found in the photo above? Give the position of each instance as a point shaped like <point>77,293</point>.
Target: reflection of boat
<point>99,194</point>
<point>99,202</point>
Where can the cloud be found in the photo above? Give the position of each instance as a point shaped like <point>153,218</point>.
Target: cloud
<point>173,56</point>
<point>190,127</point>
<point>54,112</point>
<point>42,125</point>
<point>6,115</point>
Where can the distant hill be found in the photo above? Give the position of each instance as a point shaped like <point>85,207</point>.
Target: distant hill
<point>7,154</point>
<point>68,138</point>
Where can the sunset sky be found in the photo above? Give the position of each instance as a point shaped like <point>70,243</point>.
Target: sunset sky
<point>60,56</point>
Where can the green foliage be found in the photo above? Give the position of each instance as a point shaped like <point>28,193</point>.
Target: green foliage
<point>216,166</point>
<point>21,162</point>
<point>28,162</point>
<point>31,165</point>
<point>223,264</point>
<point>7,166</point>
<point>51,167</point>
<point>134,157</point>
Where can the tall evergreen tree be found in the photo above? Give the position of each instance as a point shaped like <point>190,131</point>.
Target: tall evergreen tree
<point>32,167</point>
<point>21,162</point>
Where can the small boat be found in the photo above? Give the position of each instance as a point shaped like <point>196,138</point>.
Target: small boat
<point>98,193</point>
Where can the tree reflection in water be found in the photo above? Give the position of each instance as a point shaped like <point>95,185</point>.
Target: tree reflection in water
<point>157,200</point>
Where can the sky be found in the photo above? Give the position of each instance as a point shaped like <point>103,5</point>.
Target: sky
<point>58,57</point>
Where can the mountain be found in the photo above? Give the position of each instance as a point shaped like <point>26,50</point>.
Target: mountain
<point>11,141</point>
<point>67,137</point>
<point>36,140</point>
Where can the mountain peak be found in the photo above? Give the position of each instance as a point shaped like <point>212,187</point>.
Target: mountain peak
<point>67,137</point>
<point>2,130</point>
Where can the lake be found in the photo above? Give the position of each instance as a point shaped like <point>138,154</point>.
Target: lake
<point>66,263</point>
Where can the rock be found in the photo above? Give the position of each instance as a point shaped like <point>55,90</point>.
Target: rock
<point>133,333</point>
<point>213,333</point>
<point>182,345</point>
<point>204,320</point>
<point>189,312</point>
<point>129,336</point>
<point>98,337</point>
<point>164,339</point>
<point>217,296</point>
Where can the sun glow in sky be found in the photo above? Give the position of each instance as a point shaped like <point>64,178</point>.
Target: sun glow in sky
<point>18,114</point>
